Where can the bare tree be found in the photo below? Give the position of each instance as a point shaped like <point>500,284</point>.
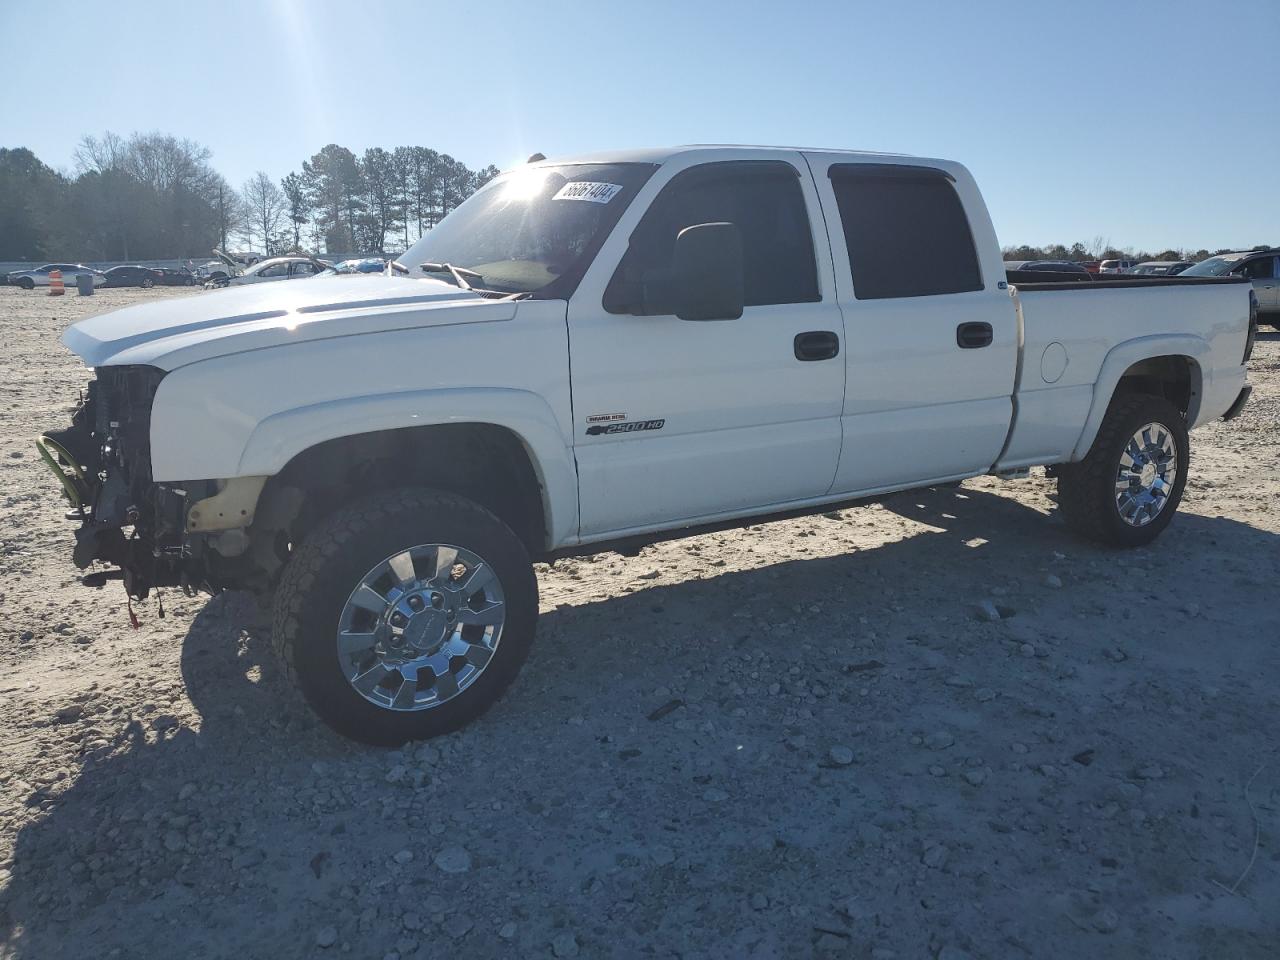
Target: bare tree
<point>266,209</point>
<point>95,155</point>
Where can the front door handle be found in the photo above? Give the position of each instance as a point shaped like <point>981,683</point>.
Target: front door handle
<point>971,336</point>
<point>817,345</point>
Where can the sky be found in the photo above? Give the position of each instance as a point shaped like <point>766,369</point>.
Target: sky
<point>1150,124</point>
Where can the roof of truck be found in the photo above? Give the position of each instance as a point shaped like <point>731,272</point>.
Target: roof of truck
<point>663,154</point>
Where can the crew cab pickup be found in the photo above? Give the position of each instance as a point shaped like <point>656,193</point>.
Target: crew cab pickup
<point>595,353</point>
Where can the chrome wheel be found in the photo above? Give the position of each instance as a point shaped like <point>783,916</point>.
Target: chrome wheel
<point>1147,474</point>
<point>421,627</point>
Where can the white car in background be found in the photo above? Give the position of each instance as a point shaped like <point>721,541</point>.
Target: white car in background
<point>280,268</point>
<point>30,279</point>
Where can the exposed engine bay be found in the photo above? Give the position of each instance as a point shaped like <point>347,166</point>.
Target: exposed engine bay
<point>103,461</point>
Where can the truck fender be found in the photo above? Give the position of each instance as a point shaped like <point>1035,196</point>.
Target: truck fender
<point>1123,356</point>
<point>280,437</point>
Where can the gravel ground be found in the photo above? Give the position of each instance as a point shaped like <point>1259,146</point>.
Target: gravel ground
<point>811,738</point>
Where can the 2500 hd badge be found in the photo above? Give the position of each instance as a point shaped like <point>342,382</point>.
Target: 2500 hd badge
<point>635,426</point>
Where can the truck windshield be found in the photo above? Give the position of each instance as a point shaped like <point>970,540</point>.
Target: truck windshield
<point>534,230</point>
<point>1213,267</point>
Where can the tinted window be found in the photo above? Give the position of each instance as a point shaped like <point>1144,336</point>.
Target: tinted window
<point>906,232</point>
<point>764,200</point>
<point>1260,269</point>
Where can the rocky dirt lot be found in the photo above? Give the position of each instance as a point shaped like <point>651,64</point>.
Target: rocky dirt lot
<point>933,727</point>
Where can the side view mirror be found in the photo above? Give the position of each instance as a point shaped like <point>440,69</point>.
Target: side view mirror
<point>705,281</point>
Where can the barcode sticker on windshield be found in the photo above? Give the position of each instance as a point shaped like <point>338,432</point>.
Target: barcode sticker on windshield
<point>591,192</point>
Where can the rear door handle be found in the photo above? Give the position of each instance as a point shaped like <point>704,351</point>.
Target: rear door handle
<point>971,336</point>
<point>817,345</point>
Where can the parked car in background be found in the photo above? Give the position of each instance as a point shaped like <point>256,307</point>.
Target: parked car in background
<point>1091,265</point>
<point>131,276</point>
<point>228,265</point>
<point>211,273</point>
<point>1262,267</point>
<point>1159,268</point>
<point>366,265</point>
<point>1056,266</point>
<point>1115,266</point>
<point>280,268</point>
<point>175,277</point>
<point>29,279</point>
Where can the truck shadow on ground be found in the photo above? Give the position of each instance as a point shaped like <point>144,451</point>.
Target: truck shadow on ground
<point>247,825</point>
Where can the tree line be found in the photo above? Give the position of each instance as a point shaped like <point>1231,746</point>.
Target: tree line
<point>1100,248</point>
<point>153,196</point>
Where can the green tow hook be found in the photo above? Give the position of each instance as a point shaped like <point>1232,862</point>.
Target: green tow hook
<point>65,468</point>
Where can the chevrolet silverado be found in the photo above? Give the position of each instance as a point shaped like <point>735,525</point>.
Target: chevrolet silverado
<point>596,353</point>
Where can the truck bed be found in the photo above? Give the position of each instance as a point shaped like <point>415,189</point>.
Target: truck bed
<point>1047,280</point>
<point>1067,341</point>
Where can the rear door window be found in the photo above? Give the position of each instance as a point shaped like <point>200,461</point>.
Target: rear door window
<point>906,232</point>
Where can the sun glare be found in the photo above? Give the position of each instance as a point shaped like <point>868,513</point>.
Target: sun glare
<point>523,184</point>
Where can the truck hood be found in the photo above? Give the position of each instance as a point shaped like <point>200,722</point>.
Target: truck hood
<point>177,331</point>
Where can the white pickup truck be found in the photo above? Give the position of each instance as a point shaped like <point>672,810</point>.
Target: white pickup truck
<point>597,353</point>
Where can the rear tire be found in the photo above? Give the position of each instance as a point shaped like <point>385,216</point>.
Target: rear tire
<point>1124,492</point>
<point>357,554</point>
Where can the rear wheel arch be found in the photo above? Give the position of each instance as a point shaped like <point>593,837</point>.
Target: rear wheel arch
<point>1176,377</point>
<point>1166,367</point>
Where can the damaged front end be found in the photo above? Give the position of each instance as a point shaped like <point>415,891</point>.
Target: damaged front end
<point>103,462</point>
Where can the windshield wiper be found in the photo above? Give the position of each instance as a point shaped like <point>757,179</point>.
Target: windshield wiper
<point>459,274</point>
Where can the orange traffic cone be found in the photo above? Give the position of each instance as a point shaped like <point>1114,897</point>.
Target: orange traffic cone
<point>56,288</point>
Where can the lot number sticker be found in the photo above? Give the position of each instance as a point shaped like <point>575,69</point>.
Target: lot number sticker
<point>591,192</point>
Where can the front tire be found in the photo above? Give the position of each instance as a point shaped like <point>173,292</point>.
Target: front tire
<point>405,616</point>
<point>1127,489</point>
<point>26,283</point>
<point>148,283</point>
